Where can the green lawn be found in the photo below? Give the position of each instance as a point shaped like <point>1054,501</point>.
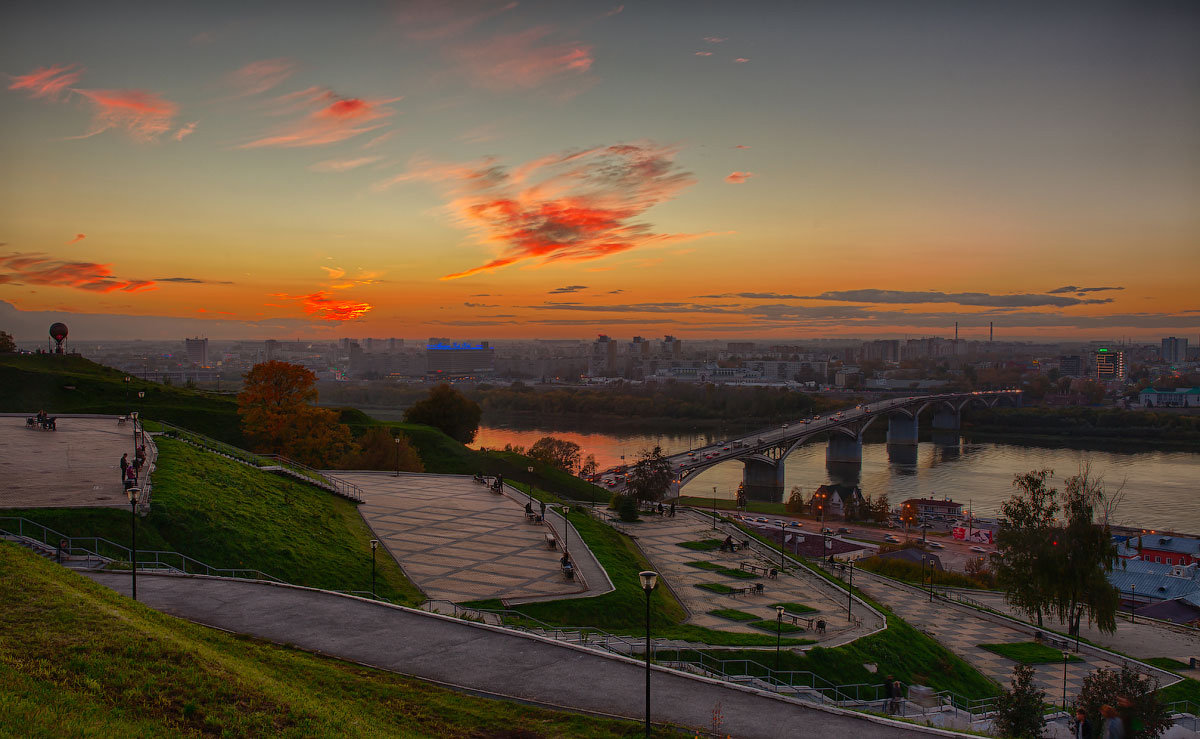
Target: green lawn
<point>229,515</point>
<point>1187,689</point>
<point>1029,653</point>
<point>76,659</point>
<point>752,506</point>
<point>794,607</point>
<point>721,569</point>
<point>733,614</point>
<point>784,627</point>
<point>703,545</point>
<point>703,565</point>
<point>716,587</point>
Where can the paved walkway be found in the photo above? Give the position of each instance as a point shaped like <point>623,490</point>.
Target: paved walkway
<point>495,661</point>
<point>76,465</point>
<point>660,539</point>
<point>459,541</point>
<point>962,630</point>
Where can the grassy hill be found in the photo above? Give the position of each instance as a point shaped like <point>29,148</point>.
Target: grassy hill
<point>68,384</point>
<point>228,515</point>
<point>76,659</point>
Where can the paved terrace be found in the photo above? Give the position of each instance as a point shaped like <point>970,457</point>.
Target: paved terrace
<point>659,538</point>
<point>493,661</point>
<point>459,541</point>
<point>77,465</point>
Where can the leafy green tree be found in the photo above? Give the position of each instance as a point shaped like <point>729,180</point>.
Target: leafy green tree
<point>589,467</point>
<point>651,476</point>
<point>1085,555</point>
<point>880,508</point>
<point>1019,708</point>
<point>7,345</point>
<point>795,501</point>
<point>1024,544</point>
<point>627,509</point>
<point>558,453</point>
<point>1132,694</point>
<point>449,410</point>
<point>380,450</point>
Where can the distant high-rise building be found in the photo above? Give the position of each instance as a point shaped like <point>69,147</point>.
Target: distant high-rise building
<point>447,360</point>
<point>197,351</point>
<point>1174,350</point>
<point>1110,364</point>
<point>887,350</point>
<point>271,350</point>
<point>739,347</point>
<point>395,345</point>
<point>435,340</point>
<point>1071,366</point>
<point>672,348</point>
<point>602,362</point>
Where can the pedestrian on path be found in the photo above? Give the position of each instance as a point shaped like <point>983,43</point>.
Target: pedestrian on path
<point>672,509</point>
<point>1111,727</point>
<point>542,503</point>
<point>124,464</point>
<point>897,695</point>
<point>1083,727</point>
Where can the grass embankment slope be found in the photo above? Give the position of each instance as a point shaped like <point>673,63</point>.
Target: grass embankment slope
<point>76,659</point>
<point>229,515</point>
<point>68,384</point>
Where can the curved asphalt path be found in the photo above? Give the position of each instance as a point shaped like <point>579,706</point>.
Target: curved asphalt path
<point>488,659</point>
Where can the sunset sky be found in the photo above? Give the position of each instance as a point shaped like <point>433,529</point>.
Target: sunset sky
<point>561,169</point>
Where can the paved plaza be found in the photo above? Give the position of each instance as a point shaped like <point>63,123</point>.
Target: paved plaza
<point>75,465</point>
<point>659,538</point>
<point>459,541</point>
<point>962,630</point>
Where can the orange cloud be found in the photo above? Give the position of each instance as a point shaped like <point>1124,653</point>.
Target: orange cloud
<point>331,119</point>
<point>258,77</point>
<point>342,165</point>
<point>571,206</point>
<point>741,146</point>
<point>740,60</point>
<point>327,308</point>
<point>77,239</point>
<point>48,82</point>
<point>39,269</point>
<point>737,178</point>
<point>521,60</point>
<point>183,131</point>
<point>436,20</point>
<point>714,39</point>
<point>703,53</point>
<point>143,115</point>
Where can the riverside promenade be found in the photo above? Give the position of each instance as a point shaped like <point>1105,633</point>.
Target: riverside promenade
<point>490,660</point>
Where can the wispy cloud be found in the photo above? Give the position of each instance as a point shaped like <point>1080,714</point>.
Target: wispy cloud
<point>910,297</point>
<point>258,77</point>
<point>48,82</point>
<point>481,305</point>
<point>144,115</point>
<point>737,178</point>
<point>570,206</point>
<point>567,289</point>
<point>342,165</point>
<point>522,60</point>
<point>714,39</point>
<point>185,131</point>
<point>703,53</point>
<point>1080,290</point>
<point>740,60</point>
<point>192,281</point>
<point>327,308</point>
<point>741,146</point>
<point>755,296</point>
<point>76,239</point>
<point>41,269</point>
<point>438,20</point>
<point>331,118</point>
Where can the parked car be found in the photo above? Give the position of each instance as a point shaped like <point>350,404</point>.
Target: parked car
<point>795,524</point>
<point>826,530</point>
<point>843,530</point>
<point>891,539</point>
<point>936,545</point>
<point>980,550</point>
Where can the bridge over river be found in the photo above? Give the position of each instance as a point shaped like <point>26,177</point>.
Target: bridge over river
<point>763,453</point>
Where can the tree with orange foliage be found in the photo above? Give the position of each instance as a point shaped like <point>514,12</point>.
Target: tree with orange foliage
<point>278,418</point>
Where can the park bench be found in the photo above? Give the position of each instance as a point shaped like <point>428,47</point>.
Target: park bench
<point>755,589</point>
<point>45,424</point>
<point>568,571</point>
<point>121,420</point>
<point>533,517</point>
<point>798,620</point>
<point>770,572</point>
<point>551,542</point>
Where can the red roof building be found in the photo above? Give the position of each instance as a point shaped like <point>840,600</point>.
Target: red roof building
<point>932,507</point>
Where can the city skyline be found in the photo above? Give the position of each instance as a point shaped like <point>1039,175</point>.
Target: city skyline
<point>507,170</point>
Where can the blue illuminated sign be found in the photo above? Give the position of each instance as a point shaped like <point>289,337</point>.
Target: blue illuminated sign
<point>448,347</point>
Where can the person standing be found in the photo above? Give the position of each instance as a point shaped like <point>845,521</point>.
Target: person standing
<point>897,692</point>
<point>1083,727</point>
<point>124,465</point>
<point>672,509</point>
<point>1110,723</point>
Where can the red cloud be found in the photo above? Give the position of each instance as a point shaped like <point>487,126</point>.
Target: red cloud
<point>39,269</point>
<point>327,308</point>
<point>48,82</point>
<point>258,77</point>
<point>741,146</point>
<point>737,178</point>
<point>143,114</point>
<point>703,53</point>
<point>571,206</point>
<point>740,60</point>
<point>331,119</point>
<point>77,239</point>
<point>520,60</point>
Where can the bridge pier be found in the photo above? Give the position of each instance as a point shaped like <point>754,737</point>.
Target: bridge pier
<point>902,429</point>
<point>763,480</point>
<point>844,449</point>
<point>947,419</point>
<point>902,454</point>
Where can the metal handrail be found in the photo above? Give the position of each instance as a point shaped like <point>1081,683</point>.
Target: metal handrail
<point>585,635</point>
<point>340,486</point>
<point>113,553</point>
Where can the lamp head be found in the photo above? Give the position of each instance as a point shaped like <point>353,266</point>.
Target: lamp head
<point>141,393</point>
<point>134,415</point>
<point>529,469</point>
<point>374,544</point>
<point>397,440</point>
<point>779,610</point>
<point>649,579</point>
<point>132,494</point>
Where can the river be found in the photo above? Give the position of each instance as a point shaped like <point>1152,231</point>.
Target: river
<point>1162,489</point>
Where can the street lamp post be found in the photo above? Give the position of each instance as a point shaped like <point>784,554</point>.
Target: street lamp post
<point>778,634</point>
<point>374,546</point>
<point>133,501</point>
<point>1065,654</point>
<point>931,568</point>
<point>714,507</point>
<point>397,440</point>
<point>649,579</point>
<point>850,594</point>
<point>566,530</point>
<point>1132,602</point>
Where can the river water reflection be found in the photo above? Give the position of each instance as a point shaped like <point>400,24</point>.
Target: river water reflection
<point>1162,488</point>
